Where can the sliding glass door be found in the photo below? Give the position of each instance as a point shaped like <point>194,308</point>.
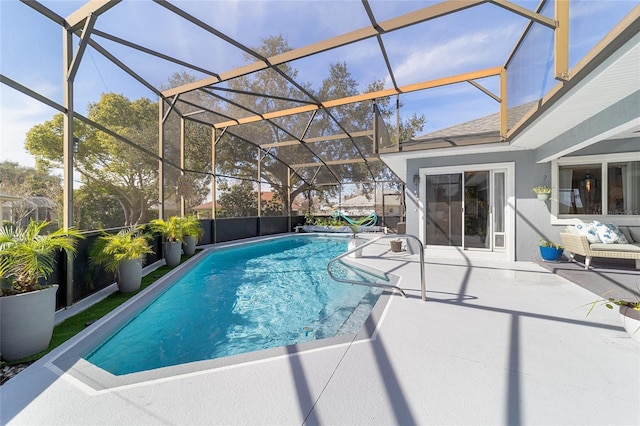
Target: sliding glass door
<point>466,209</point>
<point>444,209</point>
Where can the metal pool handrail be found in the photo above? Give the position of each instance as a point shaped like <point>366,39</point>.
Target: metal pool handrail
<point>423,291</point>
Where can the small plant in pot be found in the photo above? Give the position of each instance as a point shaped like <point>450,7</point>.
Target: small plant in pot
<point>122,254</point>
<point>191,231</point>
<point>542,192</point>
<point>27,306</point>
<point>172,231</point>
<point>355,241</point>
<point>549,251</point>
<point>629,313</point>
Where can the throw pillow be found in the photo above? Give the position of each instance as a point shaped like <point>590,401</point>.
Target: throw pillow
<point>609,233</point>
<point>622,238</point>
<point>588,230</point>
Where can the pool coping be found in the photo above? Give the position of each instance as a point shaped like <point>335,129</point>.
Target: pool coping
<point>67,360</point>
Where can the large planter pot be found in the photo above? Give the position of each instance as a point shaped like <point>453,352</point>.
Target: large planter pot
<point>172,252</point>
<point>27,322</point>
<point>550,254</point>
<point>189,245</point>
<point>130,275</point>
<point>631,321</point>
<point>353,243</point>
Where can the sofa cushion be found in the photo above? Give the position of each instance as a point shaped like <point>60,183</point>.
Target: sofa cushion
<point>627,234</point>
<point>609,233</point>
<point>616,247</point>
<point>634,231</point>
<point>589,231</point>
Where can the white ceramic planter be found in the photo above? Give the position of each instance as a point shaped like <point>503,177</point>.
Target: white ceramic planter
<point>543,196</point>
<point>631,321</point>
<point>27,322</point>
<point>189,245</point>
<point>353,243</point>
<point>172,252</point>
<point>130,275</point>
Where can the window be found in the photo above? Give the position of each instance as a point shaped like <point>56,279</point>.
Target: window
<point>607,185</point>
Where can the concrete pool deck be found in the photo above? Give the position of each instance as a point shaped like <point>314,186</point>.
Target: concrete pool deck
<point>495,343</point>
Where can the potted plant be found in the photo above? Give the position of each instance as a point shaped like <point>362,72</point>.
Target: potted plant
<point>191,231</point>
<point>354,241</point>
<point>27,305</point>
<point>122,254</point>
<point>629,314</point>
<point>549,251</point>
<point>542,192</point>
<point>171,230</point>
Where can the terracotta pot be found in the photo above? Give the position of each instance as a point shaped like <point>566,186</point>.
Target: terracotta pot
<point>396,246</point>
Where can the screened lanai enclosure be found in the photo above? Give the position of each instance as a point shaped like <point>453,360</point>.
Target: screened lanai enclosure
<point>261,112</point>
<point>169,108</point>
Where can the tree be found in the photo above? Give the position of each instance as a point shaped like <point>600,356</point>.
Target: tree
<point>107,165</point>
<point>239,158</point>
<point>113,171</point>
<point>25,182</point>
<point>237,200</point>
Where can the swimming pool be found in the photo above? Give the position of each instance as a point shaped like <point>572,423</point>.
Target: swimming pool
<point>243,299</point>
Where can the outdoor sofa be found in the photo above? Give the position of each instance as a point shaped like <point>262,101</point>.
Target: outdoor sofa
<point>602,240</point>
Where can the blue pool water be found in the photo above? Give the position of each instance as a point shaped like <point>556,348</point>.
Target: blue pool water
<point>242,299</point>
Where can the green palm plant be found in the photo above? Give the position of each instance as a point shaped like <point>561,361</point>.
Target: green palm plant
<point>191,226</point>
<point>171,229</point>
<point>110,250</point>
<point>28,255</point>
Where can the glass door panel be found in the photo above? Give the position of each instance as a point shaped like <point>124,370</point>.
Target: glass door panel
<point>444,209</point>
<point>476,210</point>
<point>499,208</point>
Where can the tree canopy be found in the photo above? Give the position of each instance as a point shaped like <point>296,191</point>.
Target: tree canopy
<point>119,175</point>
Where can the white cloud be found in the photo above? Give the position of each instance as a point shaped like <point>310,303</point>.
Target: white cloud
<point>19,113</point>
<point>465,53</point>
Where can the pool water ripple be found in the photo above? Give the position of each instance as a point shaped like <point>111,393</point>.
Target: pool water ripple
<point>239,300</point>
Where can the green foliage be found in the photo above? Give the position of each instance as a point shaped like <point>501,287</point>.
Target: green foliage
<point>116,174</point>
<point>171,229</point>
<point>237,200</point>
<point>22,182</point>
<point>610,302</point>
<point>191,226</point>
<point>110,250</point>
<point>541,189</point>
<point>546,243</point>
<point>308,219</point>
<point>92,210</point>
<point>28,255</point>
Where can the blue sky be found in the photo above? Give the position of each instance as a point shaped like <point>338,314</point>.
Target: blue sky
<point>477,38</point>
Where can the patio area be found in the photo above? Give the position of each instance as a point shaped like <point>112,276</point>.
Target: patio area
<point>495,343</point>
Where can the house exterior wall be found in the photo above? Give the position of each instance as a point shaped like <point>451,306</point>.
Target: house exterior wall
<point>532,220</point>
<point>532,217</point>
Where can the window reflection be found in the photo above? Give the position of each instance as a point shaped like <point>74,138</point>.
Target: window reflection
<point>582,189</point>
